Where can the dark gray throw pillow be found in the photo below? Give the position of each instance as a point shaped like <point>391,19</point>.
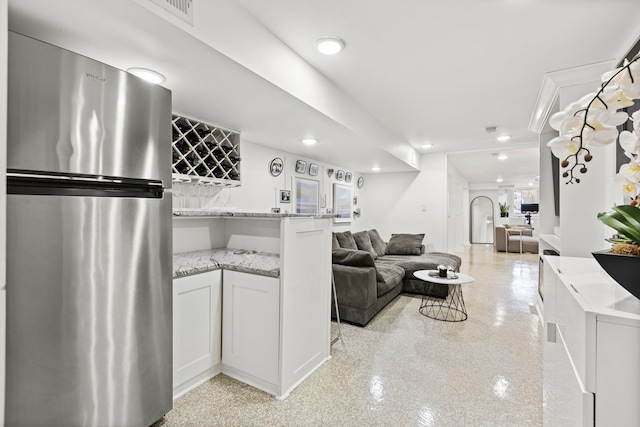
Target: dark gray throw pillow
<point>377,242</point>
<point>354,258</point>
<point>334,242</point>
<point>364,243</point>
<point>404,244</point>
<point>346,241</point>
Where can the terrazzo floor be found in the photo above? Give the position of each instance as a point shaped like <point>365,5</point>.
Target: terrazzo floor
<point>404,369</point>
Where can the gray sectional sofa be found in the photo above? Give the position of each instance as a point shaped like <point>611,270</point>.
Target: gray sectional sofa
<point>369,272</point>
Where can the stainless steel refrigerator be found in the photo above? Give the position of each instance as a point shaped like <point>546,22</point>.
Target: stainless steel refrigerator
<point>89,339</point>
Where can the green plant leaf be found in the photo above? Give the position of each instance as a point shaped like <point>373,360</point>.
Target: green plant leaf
<point>631,214</point>
<point>621,223</point>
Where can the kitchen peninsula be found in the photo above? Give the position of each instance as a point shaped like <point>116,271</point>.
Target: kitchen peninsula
<point>251,298</point>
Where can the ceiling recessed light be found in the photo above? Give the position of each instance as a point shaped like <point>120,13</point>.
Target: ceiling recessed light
<point>329,45</point>
<point>427,146</point>
<point>502,156</point>
<point>148,75</point>
<point>499,180</point>
<point>375,168</point>
<point>309,141</point>
<point>503,138</point>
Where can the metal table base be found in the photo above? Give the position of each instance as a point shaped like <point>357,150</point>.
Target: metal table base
<point>450,309</point>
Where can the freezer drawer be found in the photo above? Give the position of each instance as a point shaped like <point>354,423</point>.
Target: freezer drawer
<point>89,308</point>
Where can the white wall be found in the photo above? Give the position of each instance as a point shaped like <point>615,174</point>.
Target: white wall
<point>3,166</point>
<point>457,210</point>
<point>259,192</point>
<point>408,202</point>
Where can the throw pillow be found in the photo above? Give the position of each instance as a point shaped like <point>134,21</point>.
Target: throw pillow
<point>364,243</point>
<point>377,242</point>
<point>404,244</point>
<point>346,241</point>
<point>354,258</point>
<point>334,242</point>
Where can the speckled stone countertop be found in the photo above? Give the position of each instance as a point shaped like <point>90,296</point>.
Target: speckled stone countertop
<point>234,214</point>
<point>260,263</point>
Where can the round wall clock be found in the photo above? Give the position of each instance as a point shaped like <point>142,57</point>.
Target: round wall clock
<point>361,182</point>
<point>275,166</point>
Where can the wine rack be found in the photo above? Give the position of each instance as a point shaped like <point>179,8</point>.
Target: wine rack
<point>204,153</point>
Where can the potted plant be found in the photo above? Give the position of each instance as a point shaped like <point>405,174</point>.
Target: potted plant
<point>593,121</point>
<point>330,172</point>
<point>504,209</point>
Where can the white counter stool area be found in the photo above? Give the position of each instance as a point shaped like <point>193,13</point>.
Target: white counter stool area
<point>451,308</point>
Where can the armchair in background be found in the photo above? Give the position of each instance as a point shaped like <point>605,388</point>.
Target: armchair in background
<point>516,239</point>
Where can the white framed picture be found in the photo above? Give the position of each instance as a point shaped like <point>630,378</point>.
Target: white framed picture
<point>306,193</point>
<point>301,166</point>
<point>340,175</point>
<point>313,169</point>
<point>342,202</point>
<point>347,177</point>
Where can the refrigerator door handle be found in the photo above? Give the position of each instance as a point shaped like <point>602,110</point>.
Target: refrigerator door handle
<point>48,184</point>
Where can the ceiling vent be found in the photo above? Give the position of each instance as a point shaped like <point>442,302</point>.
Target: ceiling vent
<point>182,9</point>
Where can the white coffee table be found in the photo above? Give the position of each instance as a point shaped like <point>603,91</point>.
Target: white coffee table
<point>451,308</point>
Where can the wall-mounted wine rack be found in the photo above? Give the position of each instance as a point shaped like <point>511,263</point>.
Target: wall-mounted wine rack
<point>205,153</point>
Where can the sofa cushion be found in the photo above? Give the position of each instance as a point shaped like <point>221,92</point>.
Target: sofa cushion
<point>364,243</point>
<point>352,257</point>
<point>377,242</point>
<point>388,276</point>
<point>404,244</point>
<point>334,242</point>
<point>346,241</point>
<point>413,263</point>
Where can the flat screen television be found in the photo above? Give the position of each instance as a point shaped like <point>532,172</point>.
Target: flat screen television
<point>529,208</point>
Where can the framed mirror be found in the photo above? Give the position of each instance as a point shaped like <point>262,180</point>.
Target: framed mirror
<point>342,200</point>
<point>482,220</point>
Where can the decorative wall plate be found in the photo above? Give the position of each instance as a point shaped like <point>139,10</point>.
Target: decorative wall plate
<point>347,177</point>
<point>275,166</point>
<point>361,182</point>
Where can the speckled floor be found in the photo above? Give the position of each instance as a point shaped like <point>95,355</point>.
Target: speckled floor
<point>406,369</point>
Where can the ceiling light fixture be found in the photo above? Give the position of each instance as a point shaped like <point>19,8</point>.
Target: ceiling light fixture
<point>148,75</point>
<point>503,138</point>
<point>502,156</point>
<point>375,168</point>
<point>329,45</point>
<point>427,146</point>
<point>499,180</point>
<point>309,141</point>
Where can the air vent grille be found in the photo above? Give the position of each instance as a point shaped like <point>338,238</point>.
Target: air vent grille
<point>182,9</point>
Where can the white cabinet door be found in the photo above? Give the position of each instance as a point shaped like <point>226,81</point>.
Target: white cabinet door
<point>196,329</point>
<point>251,329</point>
<point>618,375</point>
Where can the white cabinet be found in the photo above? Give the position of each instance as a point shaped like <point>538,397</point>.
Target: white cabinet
<point>251,329</point>
<point>196,330</point>
<point>592,347</point>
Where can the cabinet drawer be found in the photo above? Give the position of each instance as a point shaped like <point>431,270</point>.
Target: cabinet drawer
<point>574,405</point>
<point>577,327</point>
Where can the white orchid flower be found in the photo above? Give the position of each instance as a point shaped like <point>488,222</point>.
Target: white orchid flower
<point>612,98</point>
<point>631,170</point>
<point>635,117</point>
<point>568,119</point>
<point>630,87</point>
<point>630,142</point>
<point>629,187</point>
<point>563,146</point>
